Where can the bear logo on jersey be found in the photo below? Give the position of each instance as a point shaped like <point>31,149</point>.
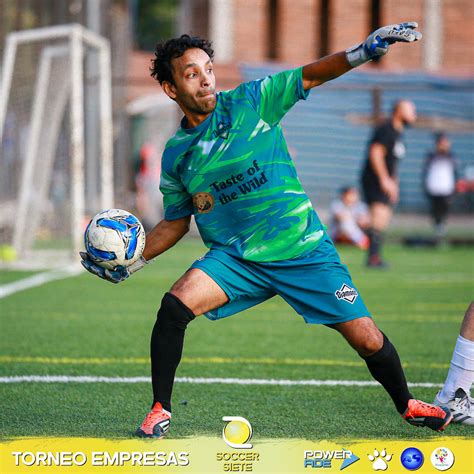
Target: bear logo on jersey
<point>203,202</point>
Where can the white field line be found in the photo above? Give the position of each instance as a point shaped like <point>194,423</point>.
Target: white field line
<point>38,280</point>
<point>199,380</point>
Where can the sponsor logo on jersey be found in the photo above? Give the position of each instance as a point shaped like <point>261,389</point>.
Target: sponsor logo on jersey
<point>203,202</point>
<point>222,130</point>
<point>346,293</point>
<point>399,150</point>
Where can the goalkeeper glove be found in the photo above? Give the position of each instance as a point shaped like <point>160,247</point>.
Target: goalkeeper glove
<point>378,42</point>
<point>118,274</point>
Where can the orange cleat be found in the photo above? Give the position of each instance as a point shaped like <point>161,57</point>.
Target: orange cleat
<point>423,414</point>
<point>155,424</point>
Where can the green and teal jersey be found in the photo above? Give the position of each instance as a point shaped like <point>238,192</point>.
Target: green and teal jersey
<point>234,173</point>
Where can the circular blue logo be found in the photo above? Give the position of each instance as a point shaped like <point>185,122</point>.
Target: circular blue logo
<point>412,459</point>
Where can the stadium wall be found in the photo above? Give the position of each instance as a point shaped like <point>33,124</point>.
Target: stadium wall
<point>298,28</point>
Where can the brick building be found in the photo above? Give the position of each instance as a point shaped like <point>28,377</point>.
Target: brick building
<point>297,31</point>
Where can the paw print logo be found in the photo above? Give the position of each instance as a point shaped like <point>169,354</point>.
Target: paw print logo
<point>379,460</point>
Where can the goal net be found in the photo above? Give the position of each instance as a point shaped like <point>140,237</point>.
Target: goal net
<point>55,169</point>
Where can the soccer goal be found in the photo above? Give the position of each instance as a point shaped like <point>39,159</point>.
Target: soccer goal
<point>53,175</point>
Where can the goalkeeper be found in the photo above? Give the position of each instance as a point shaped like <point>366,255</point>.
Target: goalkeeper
<point>228,164</point>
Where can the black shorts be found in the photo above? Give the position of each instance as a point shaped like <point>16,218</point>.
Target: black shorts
<point>373,193</point>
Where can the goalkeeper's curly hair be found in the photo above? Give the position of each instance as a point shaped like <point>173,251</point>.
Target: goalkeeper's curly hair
<point>160,68</point>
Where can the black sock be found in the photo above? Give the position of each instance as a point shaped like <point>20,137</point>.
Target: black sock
<point>375,239</point>
<point>386,368</point>
<point>167,346</point>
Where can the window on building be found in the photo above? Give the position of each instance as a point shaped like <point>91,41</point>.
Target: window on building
<point>200,10</point>
<point>272,29</point>
<point>375,14</point>
<point>375,19</point>
<point>324,28</point>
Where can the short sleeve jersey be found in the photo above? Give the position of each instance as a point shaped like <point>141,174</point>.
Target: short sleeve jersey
<point>440,174</point>
<point>390,138</point>
<point>234,173</point>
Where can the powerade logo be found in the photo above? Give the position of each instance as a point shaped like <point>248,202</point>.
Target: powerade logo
<point>321,459</point>
<point>412,459</point>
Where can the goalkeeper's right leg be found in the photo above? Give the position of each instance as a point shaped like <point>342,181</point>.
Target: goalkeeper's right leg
<point>156,423</point>
<point>194,293</point>
<point>167,346</point>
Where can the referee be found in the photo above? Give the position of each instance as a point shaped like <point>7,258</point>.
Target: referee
<point>379,177</point>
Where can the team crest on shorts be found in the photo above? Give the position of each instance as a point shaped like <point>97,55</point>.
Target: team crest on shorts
<point>346,293</point>
<point>203,202</point>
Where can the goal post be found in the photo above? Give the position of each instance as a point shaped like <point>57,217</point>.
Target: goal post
<point>42,138</point>
<point>42,102</point>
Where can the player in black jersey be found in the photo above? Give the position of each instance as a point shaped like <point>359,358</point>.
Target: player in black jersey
<point>379,177</point>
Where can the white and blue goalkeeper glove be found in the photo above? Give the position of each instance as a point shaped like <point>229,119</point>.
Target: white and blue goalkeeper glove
<point>118,274</point>
<point>378,42</point>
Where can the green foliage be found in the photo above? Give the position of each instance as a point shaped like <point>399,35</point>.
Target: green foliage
<point>156,22</point>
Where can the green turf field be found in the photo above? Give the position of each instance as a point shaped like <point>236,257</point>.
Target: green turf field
<point>84,326</point>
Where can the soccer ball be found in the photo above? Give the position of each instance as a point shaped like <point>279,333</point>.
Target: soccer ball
<point>114,237</point>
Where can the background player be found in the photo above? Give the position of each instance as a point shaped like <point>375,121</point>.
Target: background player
<point>229,165</point>
<point>379,177</point>
<point>349,219</point>
<point>440,175</point>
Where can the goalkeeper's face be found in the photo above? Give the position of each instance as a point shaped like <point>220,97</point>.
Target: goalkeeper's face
<point>195,85</point>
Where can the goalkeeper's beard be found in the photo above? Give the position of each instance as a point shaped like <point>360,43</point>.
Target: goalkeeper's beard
<point>201,104</point>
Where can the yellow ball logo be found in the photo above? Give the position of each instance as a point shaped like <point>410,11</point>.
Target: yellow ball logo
<point>237,432</point>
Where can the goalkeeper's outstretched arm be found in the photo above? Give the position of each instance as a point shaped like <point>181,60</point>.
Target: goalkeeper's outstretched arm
<point>164,235</point>
<point>377,44</point>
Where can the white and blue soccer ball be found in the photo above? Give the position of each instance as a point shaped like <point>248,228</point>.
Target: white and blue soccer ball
<point>114,237</point>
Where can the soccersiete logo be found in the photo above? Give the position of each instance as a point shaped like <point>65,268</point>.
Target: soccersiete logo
<point>237,433</point>
<point>203,202</point>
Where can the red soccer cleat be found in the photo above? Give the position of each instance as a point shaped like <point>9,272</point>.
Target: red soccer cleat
<point>155,424</point>
<point>422,414</point>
